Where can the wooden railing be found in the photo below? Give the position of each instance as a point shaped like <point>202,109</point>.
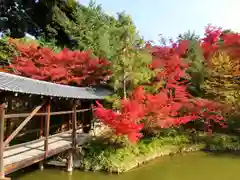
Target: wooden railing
<point>28,116</point>
<point>20,127</point>
<point>7,116</point>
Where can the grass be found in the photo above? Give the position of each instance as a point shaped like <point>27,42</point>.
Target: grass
<point>119,156</point>
<point>115,154</point>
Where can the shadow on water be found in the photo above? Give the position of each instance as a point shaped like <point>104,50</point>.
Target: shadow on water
<point>225,153</point>
<point>18,175</point>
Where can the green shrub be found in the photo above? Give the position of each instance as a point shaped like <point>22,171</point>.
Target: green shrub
<point>103,154</point>
<point>221,142</point>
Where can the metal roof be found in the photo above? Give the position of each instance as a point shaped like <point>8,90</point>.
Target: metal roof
<point>19,84</point>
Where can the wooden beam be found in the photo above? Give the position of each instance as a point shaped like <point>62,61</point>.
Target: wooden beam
<point>37,140</point>
<point>47,124</point>
<point>2,112</point>
<point>7,116</point>
<point>36,130</point>
<point>74,126</point>
<point>19,128</point>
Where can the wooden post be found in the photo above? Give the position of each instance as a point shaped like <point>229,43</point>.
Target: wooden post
<point>2,114</point>
<point>40,164</point>
<point>74,134</point>
<point>8,121</point>
<point>47,124</point>
<point>74,126</point>
<point>82,120</point>
<point>70,160</point>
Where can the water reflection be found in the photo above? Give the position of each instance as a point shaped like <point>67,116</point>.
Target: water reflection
<point>194,166</point>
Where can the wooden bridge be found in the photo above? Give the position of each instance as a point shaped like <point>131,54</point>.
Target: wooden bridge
<point>18,156</point>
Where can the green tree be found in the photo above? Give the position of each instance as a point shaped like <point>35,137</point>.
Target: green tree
<point>20,16</point>
<point>66,23</point>
<point>195,57</point>
<point>7,51</point>
<point>189,35</point>
<point>130,62</point>
<point>196,69</point>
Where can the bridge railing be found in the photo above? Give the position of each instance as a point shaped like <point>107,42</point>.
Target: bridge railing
<point>44,131</point>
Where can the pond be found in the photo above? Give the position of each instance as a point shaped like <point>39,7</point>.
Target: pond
<point>193,166</point>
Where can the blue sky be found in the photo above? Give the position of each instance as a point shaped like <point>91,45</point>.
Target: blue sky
<point>170,17</point>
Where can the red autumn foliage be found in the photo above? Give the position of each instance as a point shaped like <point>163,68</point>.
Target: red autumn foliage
<point>173,105</point>
<point>127,121</point>
<point>209,111</point>
<point>209,43</point>
<point>66,67</point>
<point>161,109</point>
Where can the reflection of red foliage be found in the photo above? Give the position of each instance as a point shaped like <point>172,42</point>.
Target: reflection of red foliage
<point>65,67</point>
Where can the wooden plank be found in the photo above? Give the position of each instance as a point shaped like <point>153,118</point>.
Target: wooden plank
<point>7,116</point>
<point>39,144</point>
<point>31,151</point>
<point>19,128</point>
<point>28,154</point>
<point>2,112</point>
<point>27,162</point>
<point>47,124</point>
<point>38,140</point>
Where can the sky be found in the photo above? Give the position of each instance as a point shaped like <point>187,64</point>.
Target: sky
<point>171,17</point>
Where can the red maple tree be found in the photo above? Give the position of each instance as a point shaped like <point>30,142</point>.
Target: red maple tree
<point>66,67</point>
<point>210,43</point>
<point>165,108</point>
<point>128,120</point>
<point>161,109</point>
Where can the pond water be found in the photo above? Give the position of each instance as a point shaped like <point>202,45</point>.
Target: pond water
<point>193,166</point>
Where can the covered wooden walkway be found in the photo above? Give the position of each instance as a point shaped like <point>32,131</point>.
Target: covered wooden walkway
<point>15,157</point>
